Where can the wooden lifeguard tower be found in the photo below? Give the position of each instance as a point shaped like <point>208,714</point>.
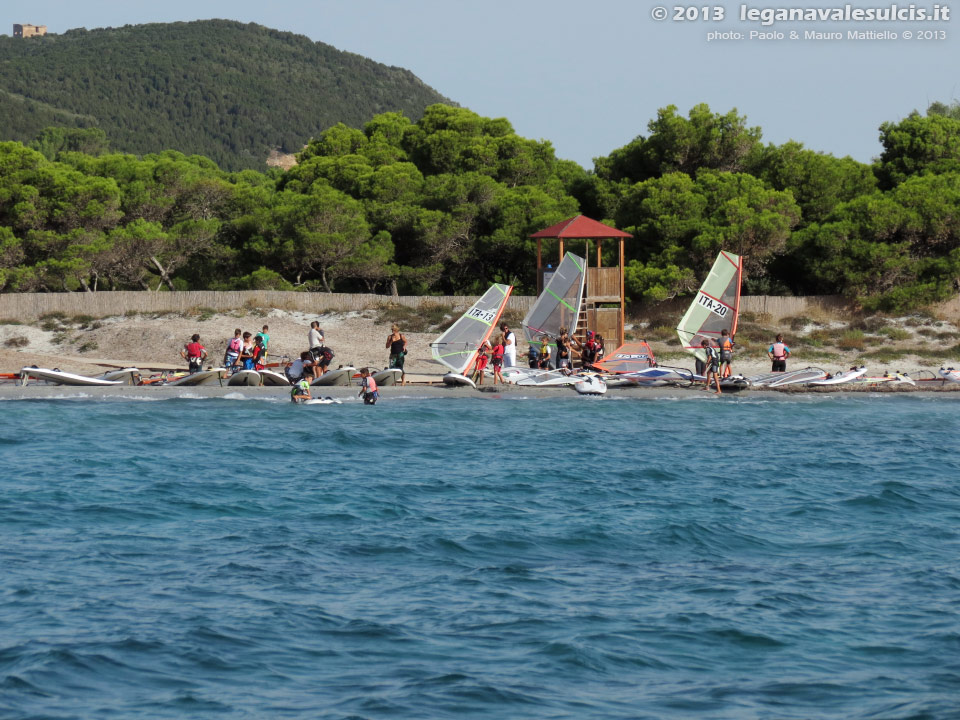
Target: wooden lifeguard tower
<point>604,303</point>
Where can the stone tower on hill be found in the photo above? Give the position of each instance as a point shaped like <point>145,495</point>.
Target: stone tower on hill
<point>25,31</point>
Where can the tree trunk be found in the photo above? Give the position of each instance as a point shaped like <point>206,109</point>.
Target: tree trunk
<point>164,277</point>
<point>83,284</point>
<point>393,288</point>
<point>323,279</point>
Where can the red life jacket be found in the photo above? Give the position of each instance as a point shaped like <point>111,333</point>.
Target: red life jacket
<point>194,351</point>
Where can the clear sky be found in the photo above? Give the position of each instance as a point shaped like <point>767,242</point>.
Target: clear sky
<point>589,75</point>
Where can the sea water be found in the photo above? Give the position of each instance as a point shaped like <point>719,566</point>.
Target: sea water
<point>481,558</point>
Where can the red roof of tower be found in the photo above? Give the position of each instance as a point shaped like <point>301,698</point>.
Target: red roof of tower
<point>581,228</point>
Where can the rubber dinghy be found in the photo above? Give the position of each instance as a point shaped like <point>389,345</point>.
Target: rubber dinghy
<point>59,377</point>
<point>457,347</point>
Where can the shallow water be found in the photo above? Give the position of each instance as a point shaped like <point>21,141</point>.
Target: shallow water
<point>454,558</point>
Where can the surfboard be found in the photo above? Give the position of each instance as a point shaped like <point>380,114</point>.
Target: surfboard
<point>842,377</point>
<point>389,376</point>
<point>798,377</point>
<point>321,401</point>
<point>272,378</point>
<point>949,374</point>
<point>456,379</point>
<point>590,385</point>
<point>204,377</point>
<point>59,377</point>
<point>248,378</point>
<point>340,376</point>
<point>127,376</point>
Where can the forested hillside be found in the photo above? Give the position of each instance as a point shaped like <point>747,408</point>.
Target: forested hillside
<point>217,88</point>
<point>446,205</point>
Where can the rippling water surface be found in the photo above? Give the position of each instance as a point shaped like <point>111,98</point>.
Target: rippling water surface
<point>454,558</point>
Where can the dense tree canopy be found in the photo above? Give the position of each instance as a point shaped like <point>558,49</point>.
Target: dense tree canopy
<point>447,203</point>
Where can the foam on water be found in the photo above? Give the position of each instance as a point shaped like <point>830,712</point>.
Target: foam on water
<point>742,557</point>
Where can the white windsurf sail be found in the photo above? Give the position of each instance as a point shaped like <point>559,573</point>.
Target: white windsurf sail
<point>559,304</point>
<point>457,347</point>
<point>716,307</point>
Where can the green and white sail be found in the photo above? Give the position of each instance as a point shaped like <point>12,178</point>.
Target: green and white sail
<point>716,307</point>
<point>457,347</point>
<point>559,304</point>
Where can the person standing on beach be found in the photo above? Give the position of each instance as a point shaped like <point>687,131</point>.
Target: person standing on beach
<point>398,351</point>
<point>194,353</point>
<point>481,364</point>
<point>778,353</point>
<point>726,353</point>
<point>496,359</point>
<point>543,362</point>
<point>563,350</point>
<point>509,346</point>
<point>713,365</point>
<point>246,353</point>
<point>314,336</point>
<point>231,357</point>
<point>264,340</point>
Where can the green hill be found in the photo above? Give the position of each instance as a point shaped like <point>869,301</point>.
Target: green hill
<point>229,91</point>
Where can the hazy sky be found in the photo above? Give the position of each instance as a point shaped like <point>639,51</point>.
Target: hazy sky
<point>589,76</point>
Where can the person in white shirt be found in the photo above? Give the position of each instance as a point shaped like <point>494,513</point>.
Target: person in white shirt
<point>509,347</point>
<point>315,336</point>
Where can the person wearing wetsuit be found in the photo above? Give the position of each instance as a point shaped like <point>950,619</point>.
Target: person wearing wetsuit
<point>300,392</point>
<point>368,388</point>
<point>398,351</point>
<point>713,365</point>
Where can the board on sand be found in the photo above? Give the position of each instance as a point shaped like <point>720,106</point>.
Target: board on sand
<point>340,376</point>
<point>248,378</point>
<point>456,379</point>
<point>590,385</point>
<point>950,374</point>
<point>388,376</point>
<point>270,377</point>
<point>204,377</point>
<point>841,377</point>
<point>126,376</point>
<point>58,377</point>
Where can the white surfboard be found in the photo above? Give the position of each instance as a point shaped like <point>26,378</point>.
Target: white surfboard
<point>340,376</point>
<point>204,377</point>
<point>590,385</point>
<point>59,377</point>
<point>127,376</point>
<point>842,377</point>
<point>389,376</point>
<point>321,401</point>
<point>247,378</point>
<point>949,374</point>
<point>456,379</point>
<point>272,378</point>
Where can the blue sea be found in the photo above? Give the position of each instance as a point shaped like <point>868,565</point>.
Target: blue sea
<point>481,558</point>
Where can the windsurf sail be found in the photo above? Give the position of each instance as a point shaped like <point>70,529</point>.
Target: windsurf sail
<point>559,304</point>
<point>716,307</point>
<point>457,347</point>
<point>629,357</point>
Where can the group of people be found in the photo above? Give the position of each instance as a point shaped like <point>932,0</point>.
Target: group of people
<point>245,351</point>
<point>719,357</point>
<point>300,390</point>
<point>501,352</point>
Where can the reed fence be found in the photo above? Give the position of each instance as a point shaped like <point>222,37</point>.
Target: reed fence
<point>28,307</point>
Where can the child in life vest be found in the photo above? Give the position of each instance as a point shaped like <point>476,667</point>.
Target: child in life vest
<point>368,388</point>
<point>481,363</point>
<point>726,353</point>
<point>496,359</point>
<point>300,392</point>
<point>713,365</point>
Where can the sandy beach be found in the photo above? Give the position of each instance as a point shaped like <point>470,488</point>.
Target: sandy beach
<point>89,346</point>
